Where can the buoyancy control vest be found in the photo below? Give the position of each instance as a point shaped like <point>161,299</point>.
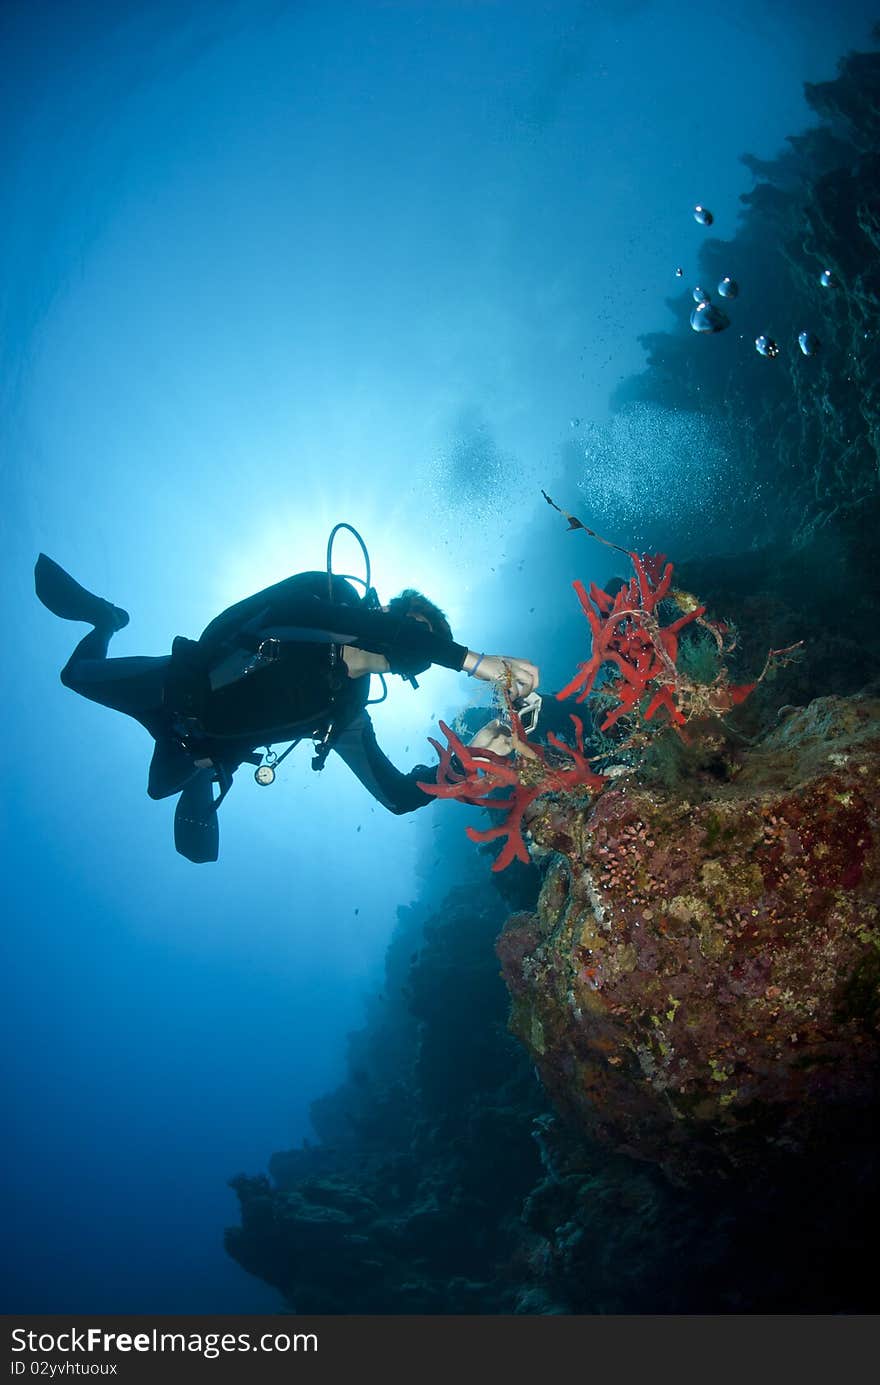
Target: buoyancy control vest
<point>252,679</point>
<point>243,685</point>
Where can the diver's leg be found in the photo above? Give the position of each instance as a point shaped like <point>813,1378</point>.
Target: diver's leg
<point>134,685</point>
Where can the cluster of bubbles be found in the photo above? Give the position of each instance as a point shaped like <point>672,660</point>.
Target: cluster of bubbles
<point>688,463</point>
<point>472,472</point>
<point>807,341</point>
<point>706,317</point>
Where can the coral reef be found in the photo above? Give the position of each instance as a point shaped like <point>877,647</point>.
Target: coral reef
<point>441,1182</point>
<point>698,985</point>
<point>475,778</point>
<point>627,633</point>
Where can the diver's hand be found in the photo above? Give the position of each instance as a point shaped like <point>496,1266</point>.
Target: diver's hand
<point>517,676</point>
<point>494,736</point>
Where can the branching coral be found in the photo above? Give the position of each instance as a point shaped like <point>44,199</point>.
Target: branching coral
<point>475,776</point>
<point>627,633</point>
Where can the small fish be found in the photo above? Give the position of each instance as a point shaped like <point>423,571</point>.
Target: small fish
<point>357,911</point>
<point>684,601</point>
<point>358,827</point>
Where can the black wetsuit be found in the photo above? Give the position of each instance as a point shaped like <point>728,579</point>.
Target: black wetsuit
<point>267,671</point>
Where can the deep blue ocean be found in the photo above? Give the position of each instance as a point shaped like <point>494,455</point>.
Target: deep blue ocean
<point>264,267</point>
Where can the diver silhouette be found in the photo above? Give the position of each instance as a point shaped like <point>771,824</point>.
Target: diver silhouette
<point>289,663</point>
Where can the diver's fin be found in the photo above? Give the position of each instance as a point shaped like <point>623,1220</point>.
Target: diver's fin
<point>196,829</point>
<point>66,598</point>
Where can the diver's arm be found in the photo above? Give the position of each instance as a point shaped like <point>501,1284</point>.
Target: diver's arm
<point>397,792</point>
<point>518,676</point>
<point>495,736</point>
<point>292,616</point>
<point>402,640</point>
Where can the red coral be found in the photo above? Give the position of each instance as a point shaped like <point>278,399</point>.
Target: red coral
<point>627,633</point>
<point>526,776</point>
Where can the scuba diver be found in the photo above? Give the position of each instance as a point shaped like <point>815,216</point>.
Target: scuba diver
<point>290,663</point>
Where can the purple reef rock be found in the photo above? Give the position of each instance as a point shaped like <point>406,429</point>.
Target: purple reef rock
<point>699,985</point>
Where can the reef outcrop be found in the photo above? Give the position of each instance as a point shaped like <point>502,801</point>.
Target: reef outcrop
<point>698,986</point>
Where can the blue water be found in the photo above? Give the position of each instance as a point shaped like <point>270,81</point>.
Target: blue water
<point>264,267</point>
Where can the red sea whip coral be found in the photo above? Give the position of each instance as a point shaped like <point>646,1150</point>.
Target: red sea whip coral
<point>627,633</point>
<point>474,776</point>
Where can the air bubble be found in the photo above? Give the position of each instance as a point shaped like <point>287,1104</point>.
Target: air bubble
<point>809,343</point>
<point>707,318</point>
<point>728,288</point>
<point>766,346</point>
<point>703,215</point>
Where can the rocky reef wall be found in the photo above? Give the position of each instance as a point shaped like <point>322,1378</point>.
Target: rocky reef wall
<point>698,986</point>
